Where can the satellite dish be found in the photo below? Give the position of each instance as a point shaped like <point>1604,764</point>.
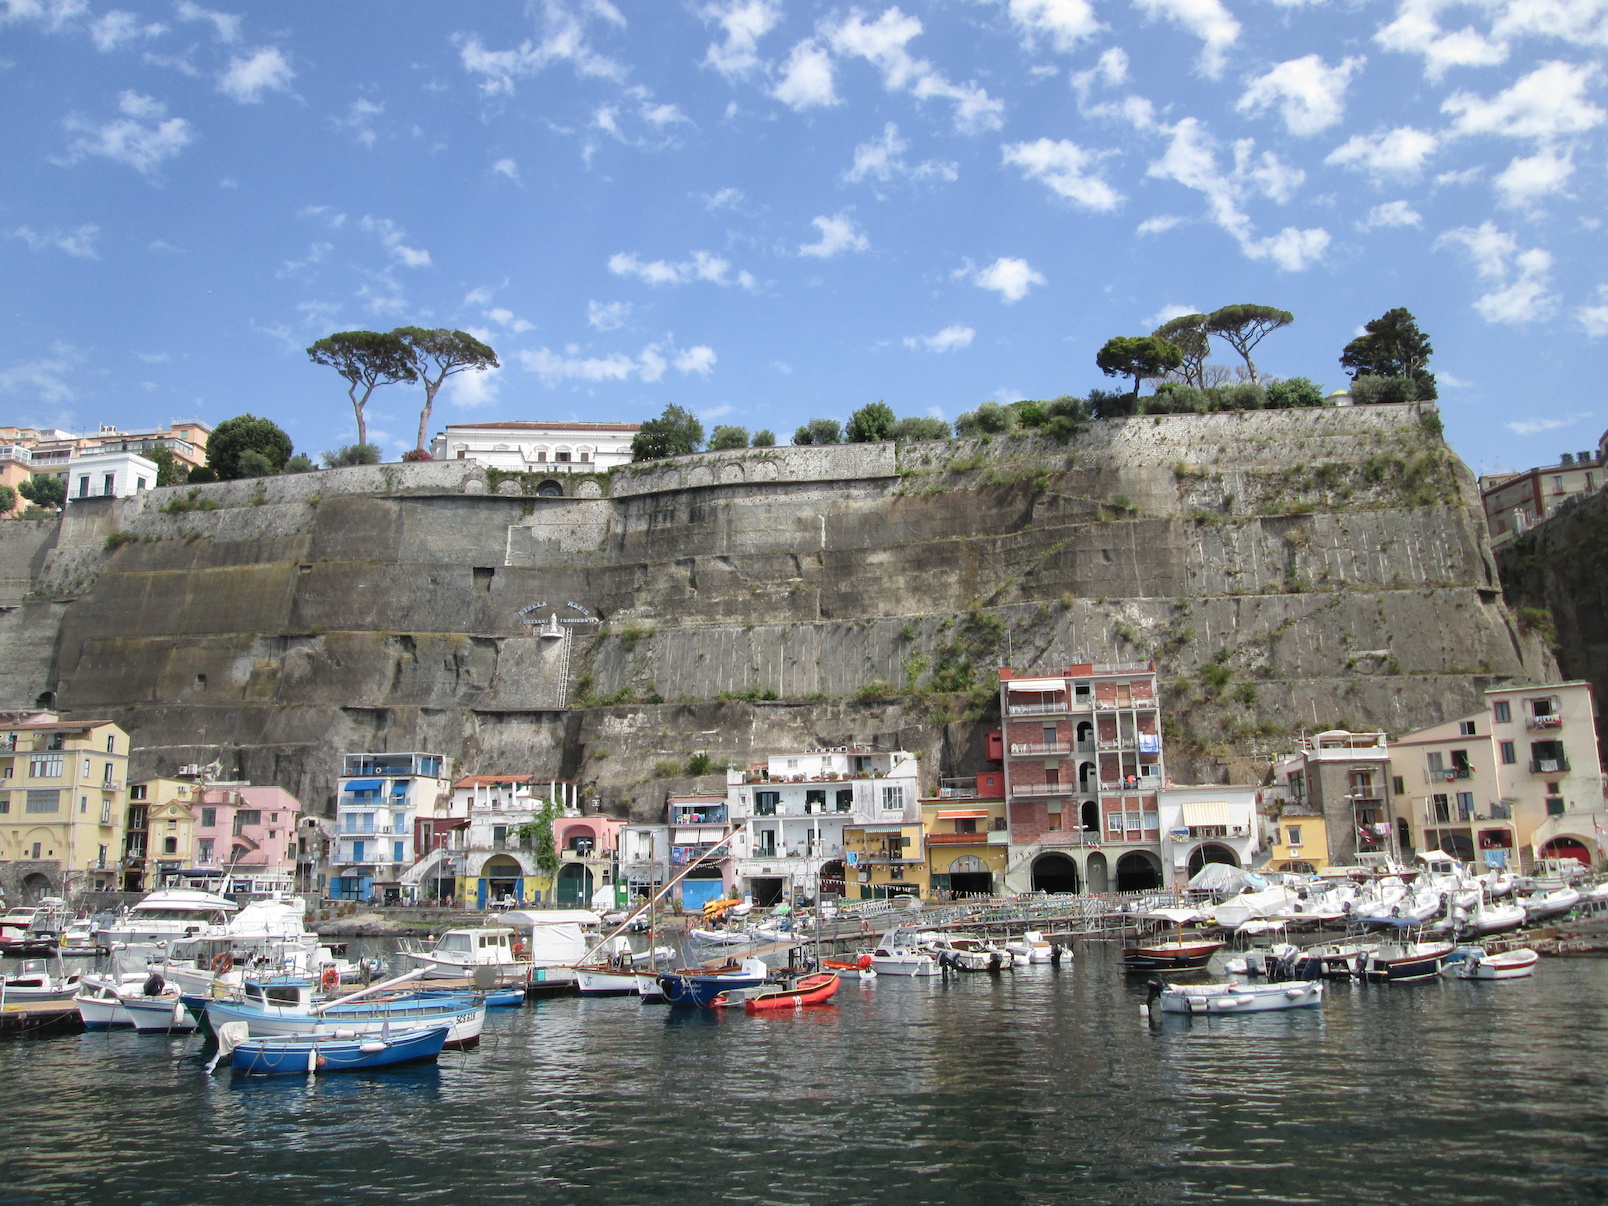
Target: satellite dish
<point>484,977</point>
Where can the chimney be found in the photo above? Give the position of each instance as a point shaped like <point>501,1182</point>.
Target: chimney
<point>1566,458</point>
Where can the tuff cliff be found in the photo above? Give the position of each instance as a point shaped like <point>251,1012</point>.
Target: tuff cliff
<point>1288,570</point>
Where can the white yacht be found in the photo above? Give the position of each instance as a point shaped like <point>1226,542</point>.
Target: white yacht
<point>166,914</point>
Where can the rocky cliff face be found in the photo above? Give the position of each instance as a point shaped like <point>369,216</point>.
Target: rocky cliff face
<point>1288,570</point>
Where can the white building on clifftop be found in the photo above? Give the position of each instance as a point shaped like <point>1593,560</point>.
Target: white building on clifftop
<point>529,447</point>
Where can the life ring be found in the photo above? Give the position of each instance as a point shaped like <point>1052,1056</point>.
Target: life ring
<point>329,980</point>
<point>223,963</point>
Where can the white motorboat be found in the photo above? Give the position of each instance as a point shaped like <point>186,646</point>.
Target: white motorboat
<point>894,957</point>
<point>1549,904</point>
<point>964,952</point>
<point>552,941</point>
<point>79,938</point>
<point>33,984</point>
<point>1234,997</point>
<point>1509,965</point>
<point>1485,919</point>
<point>1399,962</point>
<point>163,1013</point>
<point>459,952</point>
<point>721,937</point>
<point>100,999</point>
<point>48,916</point>
<point>1032,947</point>
<point>166,914</point>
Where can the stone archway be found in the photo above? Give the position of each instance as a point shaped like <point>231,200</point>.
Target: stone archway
<point>1098,873</point>
<point>1211,852</point>
<point>969,876</point>
<point>1567,847</point>
<point>574,885</point>
<point>1056,874</point>
<point>550,489</point>
<point>36,886</point>
<point>1138,871</point>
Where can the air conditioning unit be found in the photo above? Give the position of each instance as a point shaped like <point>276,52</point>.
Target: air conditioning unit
<point>192,768</point>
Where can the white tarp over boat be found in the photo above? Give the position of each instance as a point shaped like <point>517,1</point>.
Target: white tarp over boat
<point>1215,876</point>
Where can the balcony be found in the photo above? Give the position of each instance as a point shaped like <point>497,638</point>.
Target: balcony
<point>1043,789</point>
<point>958,789</point>
<point>1038,709</point>
<point>1549,766</point>
<point>1030,749</point>
<point>1137,783</point>
<point>979,838</point>
<point>1543,722</point>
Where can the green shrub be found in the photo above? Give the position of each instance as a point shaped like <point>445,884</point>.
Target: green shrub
<point>763,438</point>
<point>190,502</point>
<point>1294,392</point>
<point>724,438</point>
<point>699,764</point>
<point>118,539</point>
<point>1379,391</point>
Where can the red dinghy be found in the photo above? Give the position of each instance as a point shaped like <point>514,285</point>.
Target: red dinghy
<point>815,989</point>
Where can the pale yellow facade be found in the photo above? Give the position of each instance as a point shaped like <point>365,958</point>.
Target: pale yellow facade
<point>160,815</point>
<point>62,788</point>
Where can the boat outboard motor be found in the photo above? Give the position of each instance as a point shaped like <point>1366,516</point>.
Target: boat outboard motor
<point>1055,955</point>
<point>994,961</point>
<point>154,985</point>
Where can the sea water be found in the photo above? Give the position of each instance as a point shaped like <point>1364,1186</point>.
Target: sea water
<point>1042,1085</point>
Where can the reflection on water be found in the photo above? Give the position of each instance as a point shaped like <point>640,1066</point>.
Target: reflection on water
<point>1042,1085</point>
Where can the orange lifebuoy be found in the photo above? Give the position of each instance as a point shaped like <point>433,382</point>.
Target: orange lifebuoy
<point>223,963</point>
<point>329,979</point>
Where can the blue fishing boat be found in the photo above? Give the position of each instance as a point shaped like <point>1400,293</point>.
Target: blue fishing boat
<point>285,1006</point>
<point>341,1051</point>
<point>701,985</point>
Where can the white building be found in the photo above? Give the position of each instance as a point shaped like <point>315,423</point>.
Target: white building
<point>644,858</point>
<point>793,808</point>
<point>381,797</point>
<point>521,447</point>
<point>109,475</point>
<point>1212,824</point>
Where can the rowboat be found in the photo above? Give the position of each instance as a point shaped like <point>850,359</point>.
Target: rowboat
<point>1397,962</point>
<point>701,985</point>
<point>161,1014</point>
<point>342,1051</point>
<point>1177,955</point>
<point>816,989</point>
<point>285,1006</point>
<point>1509,965</point>
<point>1234,997</point>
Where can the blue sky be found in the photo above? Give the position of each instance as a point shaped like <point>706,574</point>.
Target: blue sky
<point>768,211</point>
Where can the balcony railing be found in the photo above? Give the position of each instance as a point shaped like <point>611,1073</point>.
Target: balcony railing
<point>1449,775</point>
<point>1039,709</point>
<point>1543,722</point>
<point>1549,766</point>
<point>980,838</point>
<point>1138,783</point>
<point>1043,789</point>
<point>1033,749</point>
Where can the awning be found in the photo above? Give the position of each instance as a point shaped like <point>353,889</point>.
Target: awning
<point>958,814</point>
<point>1197,816</point>
<point>1035,685</point>
<point>884,829</point>
<point>696,837</point>
<point>399,789</point>
<point>363,785</point>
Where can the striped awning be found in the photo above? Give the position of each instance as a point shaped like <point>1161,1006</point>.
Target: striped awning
<point>1198,816</point>
<point>1035,686</point>
<point>696,837</point>
<point>958,814</point>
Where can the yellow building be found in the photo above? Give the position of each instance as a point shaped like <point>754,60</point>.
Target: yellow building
<point>884,860</point>
<point>968,845</point>
<point>159,831</point>
<point>61,807</point>
<point>1299,840</point>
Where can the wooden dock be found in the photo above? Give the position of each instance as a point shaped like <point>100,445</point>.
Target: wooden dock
<point>52,1017</point>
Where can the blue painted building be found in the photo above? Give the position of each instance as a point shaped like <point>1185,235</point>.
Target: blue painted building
<point>382,799</point>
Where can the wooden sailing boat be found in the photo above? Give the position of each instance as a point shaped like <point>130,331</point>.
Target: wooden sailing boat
<point>1177,954</point>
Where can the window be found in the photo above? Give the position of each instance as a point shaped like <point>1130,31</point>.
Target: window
<point>1554,806</point>
<point>1502,711</point>
<point>1557,483</point>
<point>1396,785</point>
<point>106,775</point>
<point>396,852</point>
<point>1437,763</point>
<point>893,798</point>
<point>209,818</point>
<point>357,852</point>
<point>1443,809</point>
<point>111,745</point>
<point>1114,823</point>
<point>1509,754</point>
<point>1541,707</point>
<point>137,792</point>
<point>106,812</point>
<point>203,851</point>
<point>172,825</point>
<point>83,805</point>
<point>89,768</point>
<point>1465,728</point>
<point>765,803</point>
<point>170,845</point>
<point>1294,832</point>
<point>5,802</point>
<point>1465,805</point>
<point>109,480</point>
<point>83,486</point>
<point>47,800</point>
<point>45,766</point>
<point>815,800</point>
<point>845,799</point>
<point>562,458</point>
<point>966,825</point>
<point>248,816</point>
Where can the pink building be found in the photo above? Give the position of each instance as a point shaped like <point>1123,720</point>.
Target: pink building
<point>586,847</point>
<point>246,831</point>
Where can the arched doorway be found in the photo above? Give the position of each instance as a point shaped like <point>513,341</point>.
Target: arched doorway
<point>1138,871</point>
<point>701,886</point>
<point>500,876</point>
<point>1086,779</point>
<point>574,885</point>
<point>581,839</point>
<point>1211,852</point>
<point>1099,874</point>
<point>833,880</point>
<point>550,489</point>
<point>1054,873</point>
<point>968,876</point>
<point>35,887</point>
<point>1091,816</point>
<point>1567,847</point>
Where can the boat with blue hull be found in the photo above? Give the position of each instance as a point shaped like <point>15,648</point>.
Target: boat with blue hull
<point>701,985</point>
<point>340,1052</point>
<point>287,1006</point>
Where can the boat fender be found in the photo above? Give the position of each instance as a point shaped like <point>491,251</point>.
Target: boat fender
<point>1198,1003</point>
<point>329,980</point>
<point>312,1058</point>
<point>1295,994</point>
<point>372,1046</point>
<point>864,962</point>
<point>345,1034</point>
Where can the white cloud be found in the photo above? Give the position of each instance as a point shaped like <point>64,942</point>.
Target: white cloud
<point>648,366</point>
<point>563,41</point>
<point>1594,318</point>
<point>607,317</point>
<point>1527,179</point>
<point>1208,20</point>
<point>264,70</point>
<point>1519,278</point>
<point>391,236</point>
<point>1417,30</point>
<point>1527,427</point>
<point>45,377</point>
<point>726,198</point>
<point>1391,213</point>
<point>1158,225</point>
<point>703,266</point>
<point>316,254</point>
<point>1065,168</point>
<point>1009,277</point>
<point>947,340</point>
<point>1167,314</point>
<point>744,22</point>
<point>806,78</point>
<point>883,159</point>
<point>78,242</point>
<point>838,233</point>
<point>225,25</point>
<point>1111,69</point>
<point>126,140</point>
<point>54,15</point>
<point>661,115</point>
<point>470,390</point>
<point>1548,103</point>
<point>506,167</point>
<point>1064,23</point>
<point>883,44</point>
<point>1310,95</point>
<point>116,28</point>
<point>1191,160</point>
<point>359,120</point>
<point>1581,22</point>
<point>507,320</point>
<point>1395,154</point>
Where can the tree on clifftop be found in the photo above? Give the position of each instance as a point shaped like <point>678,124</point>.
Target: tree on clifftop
<point>1187,333</point>
<point>246,446</point>
<point>44,490</point>
<point>1393,346</point>
<point>1242,327</point>
<point>368,360</point>
<point>871,424</point>
<point>674,433</point>
<point>819,431</point>
<point>435,355</point>
<point>1139,357</point>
